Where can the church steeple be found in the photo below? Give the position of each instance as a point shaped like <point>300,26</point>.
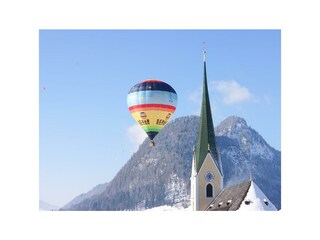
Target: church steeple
<point>206,137</point>
<point>206,175</point>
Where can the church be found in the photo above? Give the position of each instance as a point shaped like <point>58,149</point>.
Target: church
<point>207,190</point>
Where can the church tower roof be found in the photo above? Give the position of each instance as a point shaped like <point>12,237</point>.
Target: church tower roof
<point>206,141</point>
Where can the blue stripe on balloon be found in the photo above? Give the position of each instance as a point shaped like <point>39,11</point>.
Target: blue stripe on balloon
<point>152,97</point>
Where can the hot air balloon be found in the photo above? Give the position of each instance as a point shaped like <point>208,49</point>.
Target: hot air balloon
<point>152,104</point>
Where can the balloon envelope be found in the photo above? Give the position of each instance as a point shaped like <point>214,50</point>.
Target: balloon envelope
<point>152,104</point>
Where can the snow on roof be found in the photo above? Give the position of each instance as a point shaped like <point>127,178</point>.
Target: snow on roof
<point>256,200</point>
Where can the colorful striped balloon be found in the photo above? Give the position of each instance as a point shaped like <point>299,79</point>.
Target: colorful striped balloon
<point>152,104</point>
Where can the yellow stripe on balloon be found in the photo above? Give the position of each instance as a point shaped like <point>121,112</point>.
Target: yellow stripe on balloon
<point>152,118</point>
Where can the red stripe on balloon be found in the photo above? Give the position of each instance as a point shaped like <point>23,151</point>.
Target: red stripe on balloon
<point>152,106</point>
<point>151,80</point>
<point>152,109</point>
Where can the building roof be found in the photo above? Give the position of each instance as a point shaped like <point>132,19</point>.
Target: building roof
<point>256,200</point>
<point>206,137</point>
<point>245,196</point>
<point>230,198</point>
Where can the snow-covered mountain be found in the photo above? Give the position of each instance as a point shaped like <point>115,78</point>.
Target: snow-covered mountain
<point>244,151</point>
<point>160,176</point>
<point>44,206</point>
<point>236,128</point>
<point>95,191</point>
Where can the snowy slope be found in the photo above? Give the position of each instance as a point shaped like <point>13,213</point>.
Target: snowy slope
<point>169,208</point>
<point>95,191</point>
<point>256,200</point>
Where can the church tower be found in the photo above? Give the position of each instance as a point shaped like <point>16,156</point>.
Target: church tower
<point>206,175</point>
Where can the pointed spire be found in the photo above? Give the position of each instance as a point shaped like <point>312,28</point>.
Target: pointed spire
<point>206,141</point>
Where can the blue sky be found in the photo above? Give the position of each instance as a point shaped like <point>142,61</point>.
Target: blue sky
<point>86,131</point>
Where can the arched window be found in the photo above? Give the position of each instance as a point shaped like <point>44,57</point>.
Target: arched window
<point>209,190</point>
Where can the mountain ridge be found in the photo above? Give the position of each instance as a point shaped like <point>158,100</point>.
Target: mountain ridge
<point>161,175</point>
<point>45,206</point>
